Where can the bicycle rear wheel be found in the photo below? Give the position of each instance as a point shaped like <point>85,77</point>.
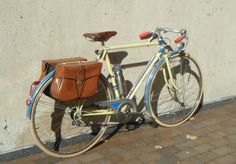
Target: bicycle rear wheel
<point>58,131</point>
<point>168,106</point>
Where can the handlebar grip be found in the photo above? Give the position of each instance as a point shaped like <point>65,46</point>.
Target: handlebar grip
<point>179,39</point>
<point>145,35</point>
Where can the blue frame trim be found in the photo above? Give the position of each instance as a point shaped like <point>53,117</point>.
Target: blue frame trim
<point>162,50</point>
<point>116,104</point>
<point>161,41</point>
<point>32,97</point>
<point>174,52</point>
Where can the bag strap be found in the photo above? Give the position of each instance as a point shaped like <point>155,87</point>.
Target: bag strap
<point>73,62</point>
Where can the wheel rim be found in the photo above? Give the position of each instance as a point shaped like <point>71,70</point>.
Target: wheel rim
<point>52,127</point>
<point>169,107</point>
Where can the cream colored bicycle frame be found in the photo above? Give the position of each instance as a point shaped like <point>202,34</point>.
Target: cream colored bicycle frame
<point>104,57</point>
<point>157,56</point>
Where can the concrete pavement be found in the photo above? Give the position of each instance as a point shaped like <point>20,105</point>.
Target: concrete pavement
<point>209,137</point>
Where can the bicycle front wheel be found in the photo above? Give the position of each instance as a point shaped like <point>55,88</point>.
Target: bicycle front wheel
<point>169,106</point>
<point>59,131</point>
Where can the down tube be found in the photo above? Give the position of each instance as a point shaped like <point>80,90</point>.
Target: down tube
<point>141,78</point>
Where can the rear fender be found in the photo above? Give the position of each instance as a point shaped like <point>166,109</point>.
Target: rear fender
<point>35,92</point>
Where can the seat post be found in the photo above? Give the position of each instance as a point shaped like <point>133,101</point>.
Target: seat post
<point>103,44</point>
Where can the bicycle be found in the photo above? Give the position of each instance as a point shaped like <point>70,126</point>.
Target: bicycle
<point>68,129</point>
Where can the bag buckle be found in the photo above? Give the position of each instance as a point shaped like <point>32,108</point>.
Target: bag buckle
<point>79,82</point>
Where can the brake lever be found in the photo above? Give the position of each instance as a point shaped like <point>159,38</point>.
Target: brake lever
<point>154,36</point>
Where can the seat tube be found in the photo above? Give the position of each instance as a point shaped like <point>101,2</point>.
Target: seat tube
<point>112,75</point>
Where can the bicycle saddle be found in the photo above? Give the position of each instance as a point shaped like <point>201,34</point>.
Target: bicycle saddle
<point>100,36</point>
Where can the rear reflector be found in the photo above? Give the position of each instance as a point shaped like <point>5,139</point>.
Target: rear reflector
<point>28,102</point>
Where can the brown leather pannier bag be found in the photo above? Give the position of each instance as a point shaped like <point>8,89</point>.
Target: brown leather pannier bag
<point>49,65</point>
<point>75,80</point>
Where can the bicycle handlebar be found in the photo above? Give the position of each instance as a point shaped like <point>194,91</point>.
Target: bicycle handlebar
<point>158,30</point>
<point>157,34</point>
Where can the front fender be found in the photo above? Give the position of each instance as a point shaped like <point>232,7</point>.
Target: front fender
<point>151,76</point>
<point>34,93</point>
<point>148,84</point>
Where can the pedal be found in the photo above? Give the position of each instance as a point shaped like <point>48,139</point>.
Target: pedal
<point>139,120</point>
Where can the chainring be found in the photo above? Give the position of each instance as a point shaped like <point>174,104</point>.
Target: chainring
<point>124,114</point>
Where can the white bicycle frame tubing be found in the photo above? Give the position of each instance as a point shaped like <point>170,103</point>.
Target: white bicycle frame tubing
<point>139,81</point>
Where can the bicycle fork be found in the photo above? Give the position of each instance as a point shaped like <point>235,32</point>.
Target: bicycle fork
<point>170,83</point>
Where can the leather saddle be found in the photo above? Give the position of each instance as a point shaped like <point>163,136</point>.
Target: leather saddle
<point>100,36</point>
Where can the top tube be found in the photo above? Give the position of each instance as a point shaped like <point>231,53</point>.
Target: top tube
<point>130,46</point>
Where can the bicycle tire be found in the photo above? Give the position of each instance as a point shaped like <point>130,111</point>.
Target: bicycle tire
<point>49,145</point>
<point>169,116</point>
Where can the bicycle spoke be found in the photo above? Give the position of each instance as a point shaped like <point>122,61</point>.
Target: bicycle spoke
<point>59,128</point>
